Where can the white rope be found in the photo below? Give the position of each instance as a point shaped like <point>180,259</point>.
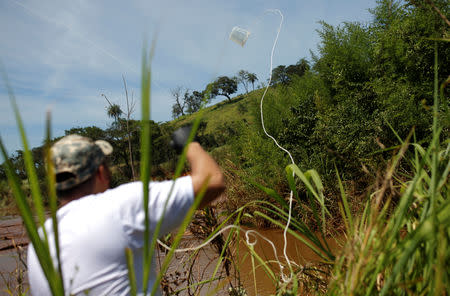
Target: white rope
<point>248,235</point>
<point>285,279</point>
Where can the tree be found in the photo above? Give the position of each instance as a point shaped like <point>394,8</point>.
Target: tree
<point>194,101</point>
<point>279,75</point>
<point>2,172</point>
<point>222,86</point>
<point>185,101</point>
<point>180,102</point>
<point>123,125</point>
<point>346,56</point>
<point>242,78</point>
<point>245,77</point>
<point>114,111</point>
<point>252,78</point>
<point>283,74</point>
<point>18,163</point>
<point>299,69</point>
<point>130,110</point>
<point>92,132</point>
<point>121,141</point>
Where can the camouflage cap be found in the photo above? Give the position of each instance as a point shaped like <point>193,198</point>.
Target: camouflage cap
<point>78,157</point>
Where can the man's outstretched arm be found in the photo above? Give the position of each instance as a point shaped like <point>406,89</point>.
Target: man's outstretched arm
<point>204,169</point>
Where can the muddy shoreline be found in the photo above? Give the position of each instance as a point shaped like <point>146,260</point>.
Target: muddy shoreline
<point>12,233</point>
<point>13,247</point>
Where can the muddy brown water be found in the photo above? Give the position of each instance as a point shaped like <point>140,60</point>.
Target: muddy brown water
<point>180,273</point>
<point>297,252</point>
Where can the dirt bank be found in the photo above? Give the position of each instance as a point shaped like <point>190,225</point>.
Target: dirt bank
<point>12,233</point>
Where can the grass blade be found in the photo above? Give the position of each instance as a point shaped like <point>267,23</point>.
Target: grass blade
<point>28,159</point>
<point>52,196</point>
<point>348,215</point>
<point>131,273</point>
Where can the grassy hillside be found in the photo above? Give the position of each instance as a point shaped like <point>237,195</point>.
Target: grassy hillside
<point>218,115</point>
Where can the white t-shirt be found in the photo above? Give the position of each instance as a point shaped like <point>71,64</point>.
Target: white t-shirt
<point>95,230</point>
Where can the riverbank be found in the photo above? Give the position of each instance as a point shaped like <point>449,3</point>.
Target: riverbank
<point>13,246</point>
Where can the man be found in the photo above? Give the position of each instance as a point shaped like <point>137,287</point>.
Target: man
<point>96,223</point>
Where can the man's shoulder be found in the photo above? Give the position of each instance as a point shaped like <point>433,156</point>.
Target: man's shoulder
<point>126,187</point>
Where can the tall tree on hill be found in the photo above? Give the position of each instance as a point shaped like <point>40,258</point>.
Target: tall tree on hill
<point>121,127</point>
<point>299,69</point>
<point>193,101</point>
<point>252,78</point>
<point>130,110</point>
<point>114,111</point>
<point>222,86</point>
<point>242,78</point>
<point>18,164</point>
<point>179,95</point>
<point>279,75</point>
<point>283,74</point>
<point>92,132</point>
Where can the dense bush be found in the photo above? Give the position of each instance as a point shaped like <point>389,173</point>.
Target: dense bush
<point>369,86</point>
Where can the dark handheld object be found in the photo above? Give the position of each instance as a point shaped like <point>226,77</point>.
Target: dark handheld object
<point>180,137</point>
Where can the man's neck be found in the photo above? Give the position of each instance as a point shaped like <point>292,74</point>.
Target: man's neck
<point>67,199</point>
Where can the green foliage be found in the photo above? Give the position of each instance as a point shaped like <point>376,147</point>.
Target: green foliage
<point>114,111</point>
<point>18,163</point>
<point>180,96</point>
<point>401,47</point>
<point>2,173</point>
<point>279,75</point>
<point>194,102</point>
<point>284,75</point>
<point>222,86</point>
<point>298,133</point>
<point>186,102</point>
<point>242,78</point>
<point>345,56</point>
<point>245,77</point>
<point>252,78</point>
<point>92,132</point>
<point>259,159</point>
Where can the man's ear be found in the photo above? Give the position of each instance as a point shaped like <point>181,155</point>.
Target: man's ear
<point>104,174</point>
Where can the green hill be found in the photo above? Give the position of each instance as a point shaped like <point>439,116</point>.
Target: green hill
<point>217,115</point>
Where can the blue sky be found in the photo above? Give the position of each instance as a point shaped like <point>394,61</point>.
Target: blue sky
<point>62,55</point>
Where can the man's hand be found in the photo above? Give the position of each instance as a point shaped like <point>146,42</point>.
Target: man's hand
<point>180,137</point>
